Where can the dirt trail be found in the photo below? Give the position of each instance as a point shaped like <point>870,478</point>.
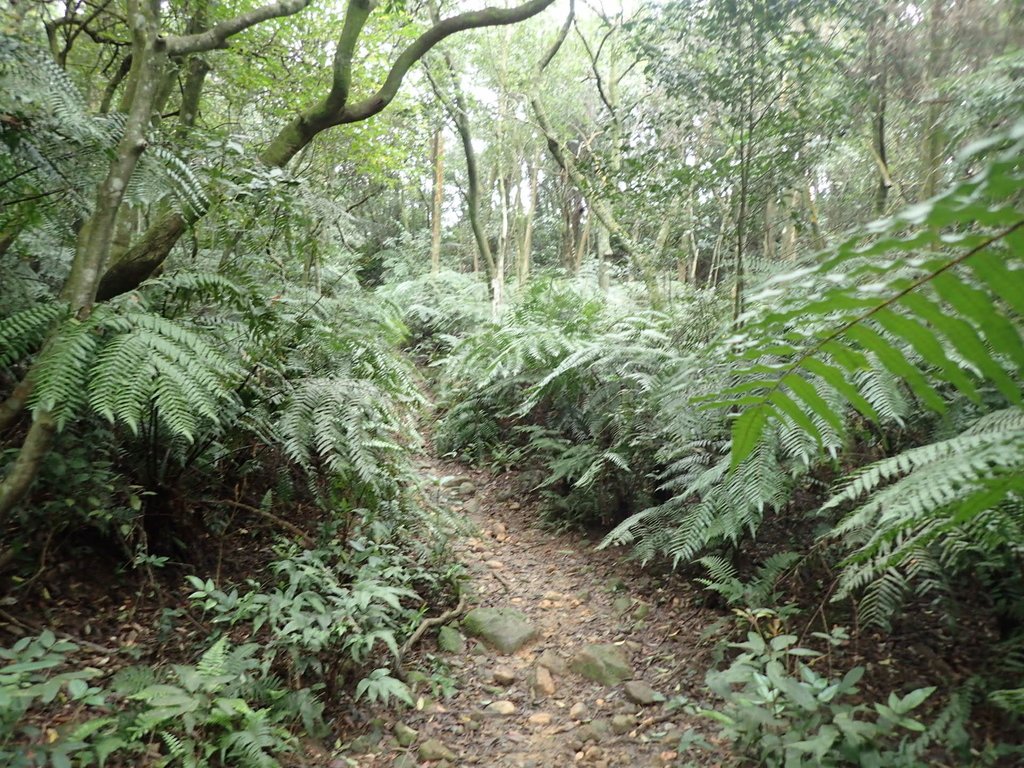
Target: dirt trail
<point>502,711</point>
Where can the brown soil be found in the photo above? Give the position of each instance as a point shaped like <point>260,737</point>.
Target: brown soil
<point>567,590</point>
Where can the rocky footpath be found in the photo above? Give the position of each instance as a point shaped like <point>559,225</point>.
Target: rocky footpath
<point>565,656</point>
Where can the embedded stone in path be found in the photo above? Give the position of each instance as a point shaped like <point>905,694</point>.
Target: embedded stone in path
<point>606,664</point>
<point>622,724</point>
<point>579,711</point>
<point>641,693</point>
<point>450,640</point>
<point>404,735</point>
<point>543,683</point>
<point>504,629</point>
<point>553,662</point>
<point>434,749</point>
<point>503,708</point>
<point>621,604</point>
<point>503,675</point>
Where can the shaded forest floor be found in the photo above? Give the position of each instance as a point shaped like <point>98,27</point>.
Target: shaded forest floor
<point>499,709</point>
<point>475,704</point>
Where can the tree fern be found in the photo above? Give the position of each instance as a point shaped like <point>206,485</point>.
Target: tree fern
<point>122,361</point>
<point>23,332</point>
<point>946,315</point>
<point>933,511</point>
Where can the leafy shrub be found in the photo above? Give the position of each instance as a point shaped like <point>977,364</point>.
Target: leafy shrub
<point>571,379</point>
<point>329,612</point>
<point>32,676</point>
<point>438,309</point>
<point>780,711</point>
<point>225,710</point>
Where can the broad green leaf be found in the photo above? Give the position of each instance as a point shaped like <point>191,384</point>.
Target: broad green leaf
<point>747,431</point>
<point>893,360</point>
<point>806,392</point>
<point>979,307</point>
<point>927,345</point>
<point>838,381</point>
<point>966,341</point>
<point>785,404</point>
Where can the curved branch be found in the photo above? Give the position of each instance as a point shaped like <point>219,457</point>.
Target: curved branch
<point>217,36</point>
<point>562,33</point>
<point>146,256</point>
<point>303,537</point>
<point>487,17</point>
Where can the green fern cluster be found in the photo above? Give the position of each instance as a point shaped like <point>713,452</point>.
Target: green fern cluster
<point>577,378</point>
<point>919,311</point>
<point>935,513</point>
<point>933,296</point>
<point>125,362</point>
<point>53,150</point>
<point>487,374</point>
<point>437,309</point>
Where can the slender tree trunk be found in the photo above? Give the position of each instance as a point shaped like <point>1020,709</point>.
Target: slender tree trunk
<point>741,224</point>
<point>572,215</point>
<point>97,234</point>
<point>438,201</point>
<point>604,256</point>
<point>771,210</point>
<point>598,206</point>
<point>191,94</point>
<point>815,218</point>
<point>716,253</point>
<point>583,245</point>
<point>498,278</point>
<point>878,67</point>
<point>933,143</point>
<point>526,246</point>
<point>787,249</point>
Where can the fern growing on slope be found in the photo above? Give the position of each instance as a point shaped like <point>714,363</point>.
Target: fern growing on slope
<point>571,381</point>
<point>121,361</point>
<point>934,512</point>
<point>53,151</point>
<point>922,311</point>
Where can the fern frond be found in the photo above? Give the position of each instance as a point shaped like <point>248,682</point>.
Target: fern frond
<point>901,316</point>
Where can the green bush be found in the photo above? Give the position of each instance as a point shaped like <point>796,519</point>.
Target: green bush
<point>779,710</point>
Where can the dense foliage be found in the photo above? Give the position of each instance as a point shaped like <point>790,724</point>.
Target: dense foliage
<point>737,285</point>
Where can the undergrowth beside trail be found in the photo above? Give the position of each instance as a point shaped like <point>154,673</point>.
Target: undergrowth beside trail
<point>848,451</point>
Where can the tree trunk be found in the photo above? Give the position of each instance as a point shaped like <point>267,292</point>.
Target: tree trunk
<point>787,249</point>
<point>878,69</point>
<point>437,156</point>
<point>498,278</point>
<point>97,234</point>
<point>933,143</point>
<point>526,245</point>
<point>598,206</point>
<point>142,260</point>
<point>191,92</point>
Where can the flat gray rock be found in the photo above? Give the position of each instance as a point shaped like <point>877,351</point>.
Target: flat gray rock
<point>504,629</point>
<point>606,664</point>
<point>641,693</point>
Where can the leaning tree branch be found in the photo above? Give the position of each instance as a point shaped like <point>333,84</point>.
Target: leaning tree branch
<point>217,36</point>
<point>486,17</point>
<point>149,253</point>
